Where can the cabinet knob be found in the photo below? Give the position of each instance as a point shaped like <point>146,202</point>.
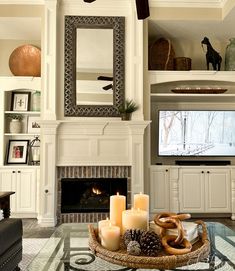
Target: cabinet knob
<point>208,171</point>
<point>202,171</point>
<point>166,170</point>
<point>18,171</point>
<point>13,171</point>
<point>46,191</point>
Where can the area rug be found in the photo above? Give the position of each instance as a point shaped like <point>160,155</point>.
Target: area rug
<point>31,247</point>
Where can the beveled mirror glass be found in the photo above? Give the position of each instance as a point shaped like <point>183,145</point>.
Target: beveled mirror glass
<point>94,65</point>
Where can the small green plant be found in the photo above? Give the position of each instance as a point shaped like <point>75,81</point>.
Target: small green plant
<point>129,107</point>
<point>15,116</point>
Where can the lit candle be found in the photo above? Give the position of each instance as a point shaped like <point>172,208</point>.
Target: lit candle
<point>102,223</point>
<point>141,201</point>
<point>117,206</point>
<point>134,219</point>
<point>110,237</point>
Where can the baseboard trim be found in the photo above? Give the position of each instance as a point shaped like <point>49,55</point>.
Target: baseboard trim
<point>47,222</point>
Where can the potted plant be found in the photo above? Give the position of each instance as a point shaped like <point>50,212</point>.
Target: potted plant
<point>127,109</point>
<point>15,123</point>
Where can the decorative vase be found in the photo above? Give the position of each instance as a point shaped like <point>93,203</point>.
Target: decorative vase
<point>36,99</point>
<point>230,56</point>
<point>126,116</point>
<point>15,126</point>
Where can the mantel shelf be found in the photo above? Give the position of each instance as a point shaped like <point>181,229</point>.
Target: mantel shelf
<point>23,112</point>
<point>20,82</point>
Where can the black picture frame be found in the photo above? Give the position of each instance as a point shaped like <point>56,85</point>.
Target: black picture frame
<point>17,152</point>
<point>22,96</point>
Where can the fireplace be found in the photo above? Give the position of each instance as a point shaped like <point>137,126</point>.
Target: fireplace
<point>73,182</point>
<point>87,195</point>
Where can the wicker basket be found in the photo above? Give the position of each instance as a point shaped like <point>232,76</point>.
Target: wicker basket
<point>161,55</point>
<point>199,252</point>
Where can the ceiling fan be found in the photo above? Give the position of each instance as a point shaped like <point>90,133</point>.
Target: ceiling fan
<point>106,78</point>
<point>142,7</point>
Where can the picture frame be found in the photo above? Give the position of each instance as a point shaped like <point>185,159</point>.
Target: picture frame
<point>17,152</point>
<point>33,125</point>
<point>20,101</point>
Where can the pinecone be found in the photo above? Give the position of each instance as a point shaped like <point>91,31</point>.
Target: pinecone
<point>132,235</point>
<point>150,243</point>
<point>133,248</point>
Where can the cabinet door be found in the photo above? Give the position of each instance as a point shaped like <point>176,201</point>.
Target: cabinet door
<point>159,190</point>
<point>26,191</point>
<point>217,190</point>
<point>8,183</point>
<point>191,190</point>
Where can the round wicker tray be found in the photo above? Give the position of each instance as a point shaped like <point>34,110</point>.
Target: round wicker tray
<point>199,252</point>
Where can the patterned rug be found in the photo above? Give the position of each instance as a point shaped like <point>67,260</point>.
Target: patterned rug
<point>31,247</point>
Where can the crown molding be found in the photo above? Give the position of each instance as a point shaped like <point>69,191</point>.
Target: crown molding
<point>22,2</point>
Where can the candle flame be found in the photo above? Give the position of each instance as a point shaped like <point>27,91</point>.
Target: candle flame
<point>110,224</point>
<point>117,193</point>
<point>138,209</point>
<point>141,193</point>
<point>107,218</point>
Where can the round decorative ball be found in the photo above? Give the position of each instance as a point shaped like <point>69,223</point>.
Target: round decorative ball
<point>150,243</point>
<point>25,60</point>
<point>133,248</point>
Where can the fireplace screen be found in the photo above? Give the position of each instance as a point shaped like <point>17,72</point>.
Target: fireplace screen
<point>90,195</point>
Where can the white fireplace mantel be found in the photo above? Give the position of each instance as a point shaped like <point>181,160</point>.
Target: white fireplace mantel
<point>88,143</point>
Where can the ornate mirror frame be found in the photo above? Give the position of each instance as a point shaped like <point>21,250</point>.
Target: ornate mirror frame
<point>71,109</point>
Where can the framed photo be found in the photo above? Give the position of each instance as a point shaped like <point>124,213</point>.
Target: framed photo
<point>33,125</point>
<point>17,152</point>
<point>20,101</point>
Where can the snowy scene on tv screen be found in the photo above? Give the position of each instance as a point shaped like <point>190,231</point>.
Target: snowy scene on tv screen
<point>196,133</point>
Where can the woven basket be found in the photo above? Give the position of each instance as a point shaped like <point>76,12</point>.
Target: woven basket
<point>199,252</point>
<point>161,55</point>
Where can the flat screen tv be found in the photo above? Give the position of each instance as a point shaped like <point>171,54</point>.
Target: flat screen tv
<point>196,133</point>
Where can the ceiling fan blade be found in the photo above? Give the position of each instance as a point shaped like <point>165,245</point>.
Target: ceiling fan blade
<point>108,87</point>
<point>105,78</point>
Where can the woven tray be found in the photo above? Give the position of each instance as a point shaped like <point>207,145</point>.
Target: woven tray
<point>199,252</point>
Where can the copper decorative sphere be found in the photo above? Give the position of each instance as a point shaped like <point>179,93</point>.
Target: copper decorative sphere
<point>26,61</point>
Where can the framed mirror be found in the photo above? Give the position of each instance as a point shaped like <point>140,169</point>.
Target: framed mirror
<point>94,66</point>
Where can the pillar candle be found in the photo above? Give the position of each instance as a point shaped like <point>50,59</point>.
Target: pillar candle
<point>117,206</point>
<point>110,237</point>
<point>102,223</point>
<point>141,201</point>
<point>134,219</point>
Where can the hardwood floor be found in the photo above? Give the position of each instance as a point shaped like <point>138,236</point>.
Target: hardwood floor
<point>32,230</point>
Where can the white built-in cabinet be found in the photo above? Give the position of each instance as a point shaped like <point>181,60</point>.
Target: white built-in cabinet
<point>191,189</point>
<point>159,189</point>
<point>23,181</point>
<point>205,190</point>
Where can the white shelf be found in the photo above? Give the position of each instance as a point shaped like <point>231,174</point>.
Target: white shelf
<point>24,112</point>
<point>20,83</point>
<point>21,134</point>
<point>201,98</point>
<point>157,77</point>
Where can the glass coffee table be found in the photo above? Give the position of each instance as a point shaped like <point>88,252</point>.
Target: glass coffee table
<point>67,249</point>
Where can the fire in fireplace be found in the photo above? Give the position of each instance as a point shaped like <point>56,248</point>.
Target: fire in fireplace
<point>89,194</point>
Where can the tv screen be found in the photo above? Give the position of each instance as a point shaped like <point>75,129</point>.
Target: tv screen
<point>196,133</point>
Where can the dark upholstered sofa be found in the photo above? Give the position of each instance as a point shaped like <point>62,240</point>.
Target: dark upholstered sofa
<point>10,244</point>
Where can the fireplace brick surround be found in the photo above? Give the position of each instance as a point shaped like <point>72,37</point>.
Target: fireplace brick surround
<point>89,172</point>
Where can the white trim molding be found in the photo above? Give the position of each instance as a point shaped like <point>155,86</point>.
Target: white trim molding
<point>188,3</point>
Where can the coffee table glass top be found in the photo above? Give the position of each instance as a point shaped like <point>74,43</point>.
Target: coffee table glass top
<point>67,249</point>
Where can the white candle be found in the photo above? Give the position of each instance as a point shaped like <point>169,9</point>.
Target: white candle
<point>36,157</point>
<point>134,219</point>
<point>117,206</point>
<point>110,237</point>
<point>102,223</point>
<point>141,201</point>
